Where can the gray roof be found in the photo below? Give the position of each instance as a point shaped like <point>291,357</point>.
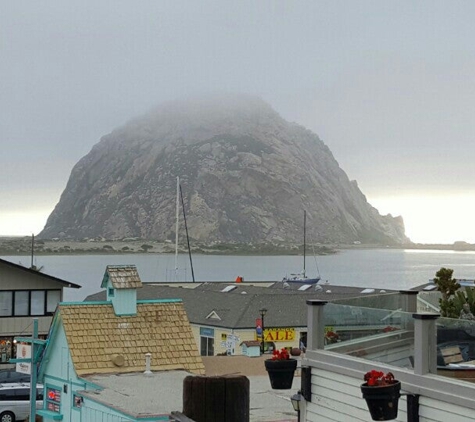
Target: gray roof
<point>64,283</point>
<point>207,304</point>
<point>139,395</point>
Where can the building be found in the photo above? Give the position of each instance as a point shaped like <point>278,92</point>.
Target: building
<point>25,294</point>
<point>117,360</point>
<point>224,315</point>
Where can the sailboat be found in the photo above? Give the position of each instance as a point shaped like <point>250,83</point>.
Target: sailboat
<point>302,277</point>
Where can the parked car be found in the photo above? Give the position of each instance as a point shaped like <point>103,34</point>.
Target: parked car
<point>10,375</point>
<point>15,401</point>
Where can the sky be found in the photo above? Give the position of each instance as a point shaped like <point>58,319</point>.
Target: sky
<point>389,86</point>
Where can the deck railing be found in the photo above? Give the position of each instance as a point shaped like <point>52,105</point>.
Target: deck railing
<point>409,351</point>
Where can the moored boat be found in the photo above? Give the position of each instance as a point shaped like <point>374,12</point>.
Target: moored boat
<point>302,277</point>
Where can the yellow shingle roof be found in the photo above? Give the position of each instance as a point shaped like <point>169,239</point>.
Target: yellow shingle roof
<point>97,338</point>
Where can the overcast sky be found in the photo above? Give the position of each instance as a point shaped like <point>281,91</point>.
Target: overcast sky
<point>389,86</point>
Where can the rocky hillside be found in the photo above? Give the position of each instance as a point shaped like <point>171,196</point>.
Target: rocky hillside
<point>246,176</point>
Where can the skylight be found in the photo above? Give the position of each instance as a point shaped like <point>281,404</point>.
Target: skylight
<point>228,289</point>
<point>305,287</point>
<point>430,287</point>
<point>366,291</point>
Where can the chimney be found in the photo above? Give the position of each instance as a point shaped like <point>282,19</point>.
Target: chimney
<point>148,360</point>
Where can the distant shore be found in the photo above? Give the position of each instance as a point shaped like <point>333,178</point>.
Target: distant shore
<point>23,246</point>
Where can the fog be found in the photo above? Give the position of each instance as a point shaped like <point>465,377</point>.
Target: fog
<point>388,86</point>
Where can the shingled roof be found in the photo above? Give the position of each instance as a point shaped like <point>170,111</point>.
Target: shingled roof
<point>101,342</point>
<point>122,277</point>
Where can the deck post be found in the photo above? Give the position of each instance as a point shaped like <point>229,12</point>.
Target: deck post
<point>315,324</point>
<point>409,300</point>
<point>425,343</point>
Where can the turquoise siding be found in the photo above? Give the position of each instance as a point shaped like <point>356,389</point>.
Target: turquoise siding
<point>59,374</point>
<point>124,301</point>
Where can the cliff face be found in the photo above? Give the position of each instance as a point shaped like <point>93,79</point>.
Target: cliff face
<point>246,175</point>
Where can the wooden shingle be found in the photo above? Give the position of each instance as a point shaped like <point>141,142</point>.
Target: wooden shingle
<point>96,337</point>
<point>123,276</point>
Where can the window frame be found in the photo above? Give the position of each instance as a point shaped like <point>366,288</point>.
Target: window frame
<point>48,293</point>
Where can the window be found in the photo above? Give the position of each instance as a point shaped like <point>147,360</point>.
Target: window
<point>207,346</point>
<point>29,302</point>
<point>37,302</point>
<point>6,304</point>
<point>22,303</point>
<point>53,399</point>
<point>53,298</point>
<point>77,401</point>
<point>111,292</point>
<point>22,394</point>
<point>6,351</point>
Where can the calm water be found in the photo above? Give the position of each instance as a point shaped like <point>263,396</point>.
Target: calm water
<point>377,268</point>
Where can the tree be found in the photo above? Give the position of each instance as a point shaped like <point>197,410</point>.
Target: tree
<point>447,286</point>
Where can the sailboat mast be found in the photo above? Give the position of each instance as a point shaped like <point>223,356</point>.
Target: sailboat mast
<point>187,237</point>
<point>304,237</point>
<point>177,226</point>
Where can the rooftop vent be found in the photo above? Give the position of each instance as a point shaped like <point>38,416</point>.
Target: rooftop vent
<point>228,289</point>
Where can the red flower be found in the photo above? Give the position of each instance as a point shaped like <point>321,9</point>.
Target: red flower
<point>281,354</point>
<point>376,378</point>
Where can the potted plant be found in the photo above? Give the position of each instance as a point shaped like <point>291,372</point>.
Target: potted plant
<point>281,369</point>
<point>331,337</point>
<point>381,392</point>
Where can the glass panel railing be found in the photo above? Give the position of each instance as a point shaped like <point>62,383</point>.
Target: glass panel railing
<point>380,335</point>
<point>377,299</point>
<point>456,348</point>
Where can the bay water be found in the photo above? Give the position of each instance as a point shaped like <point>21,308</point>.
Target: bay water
<point>375,268</point>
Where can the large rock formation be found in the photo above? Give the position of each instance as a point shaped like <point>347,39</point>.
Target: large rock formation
<point>246,176</point>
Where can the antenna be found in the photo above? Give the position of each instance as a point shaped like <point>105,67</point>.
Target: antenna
<point>177,226</point>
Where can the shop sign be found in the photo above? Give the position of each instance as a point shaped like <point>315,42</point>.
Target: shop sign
<point>279,334</point>
<point>23,351</point>
<point>207,332</point>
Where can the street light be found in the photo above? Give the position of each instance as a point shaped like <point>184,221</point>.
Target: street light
<point>262,311</point>
<point>295,399</point>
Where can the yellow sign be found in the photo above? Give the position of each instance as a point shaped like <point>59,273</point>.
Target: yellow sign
<point>279,334</point>
<point>224,337</point>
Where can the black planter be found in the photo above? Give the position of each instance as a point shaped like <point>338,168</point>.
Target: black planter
<point>382,401</point>
<point>281,373</point>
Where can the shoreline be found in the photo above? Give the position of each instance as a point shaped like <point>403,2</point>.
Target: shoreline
<point>12,246</point>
